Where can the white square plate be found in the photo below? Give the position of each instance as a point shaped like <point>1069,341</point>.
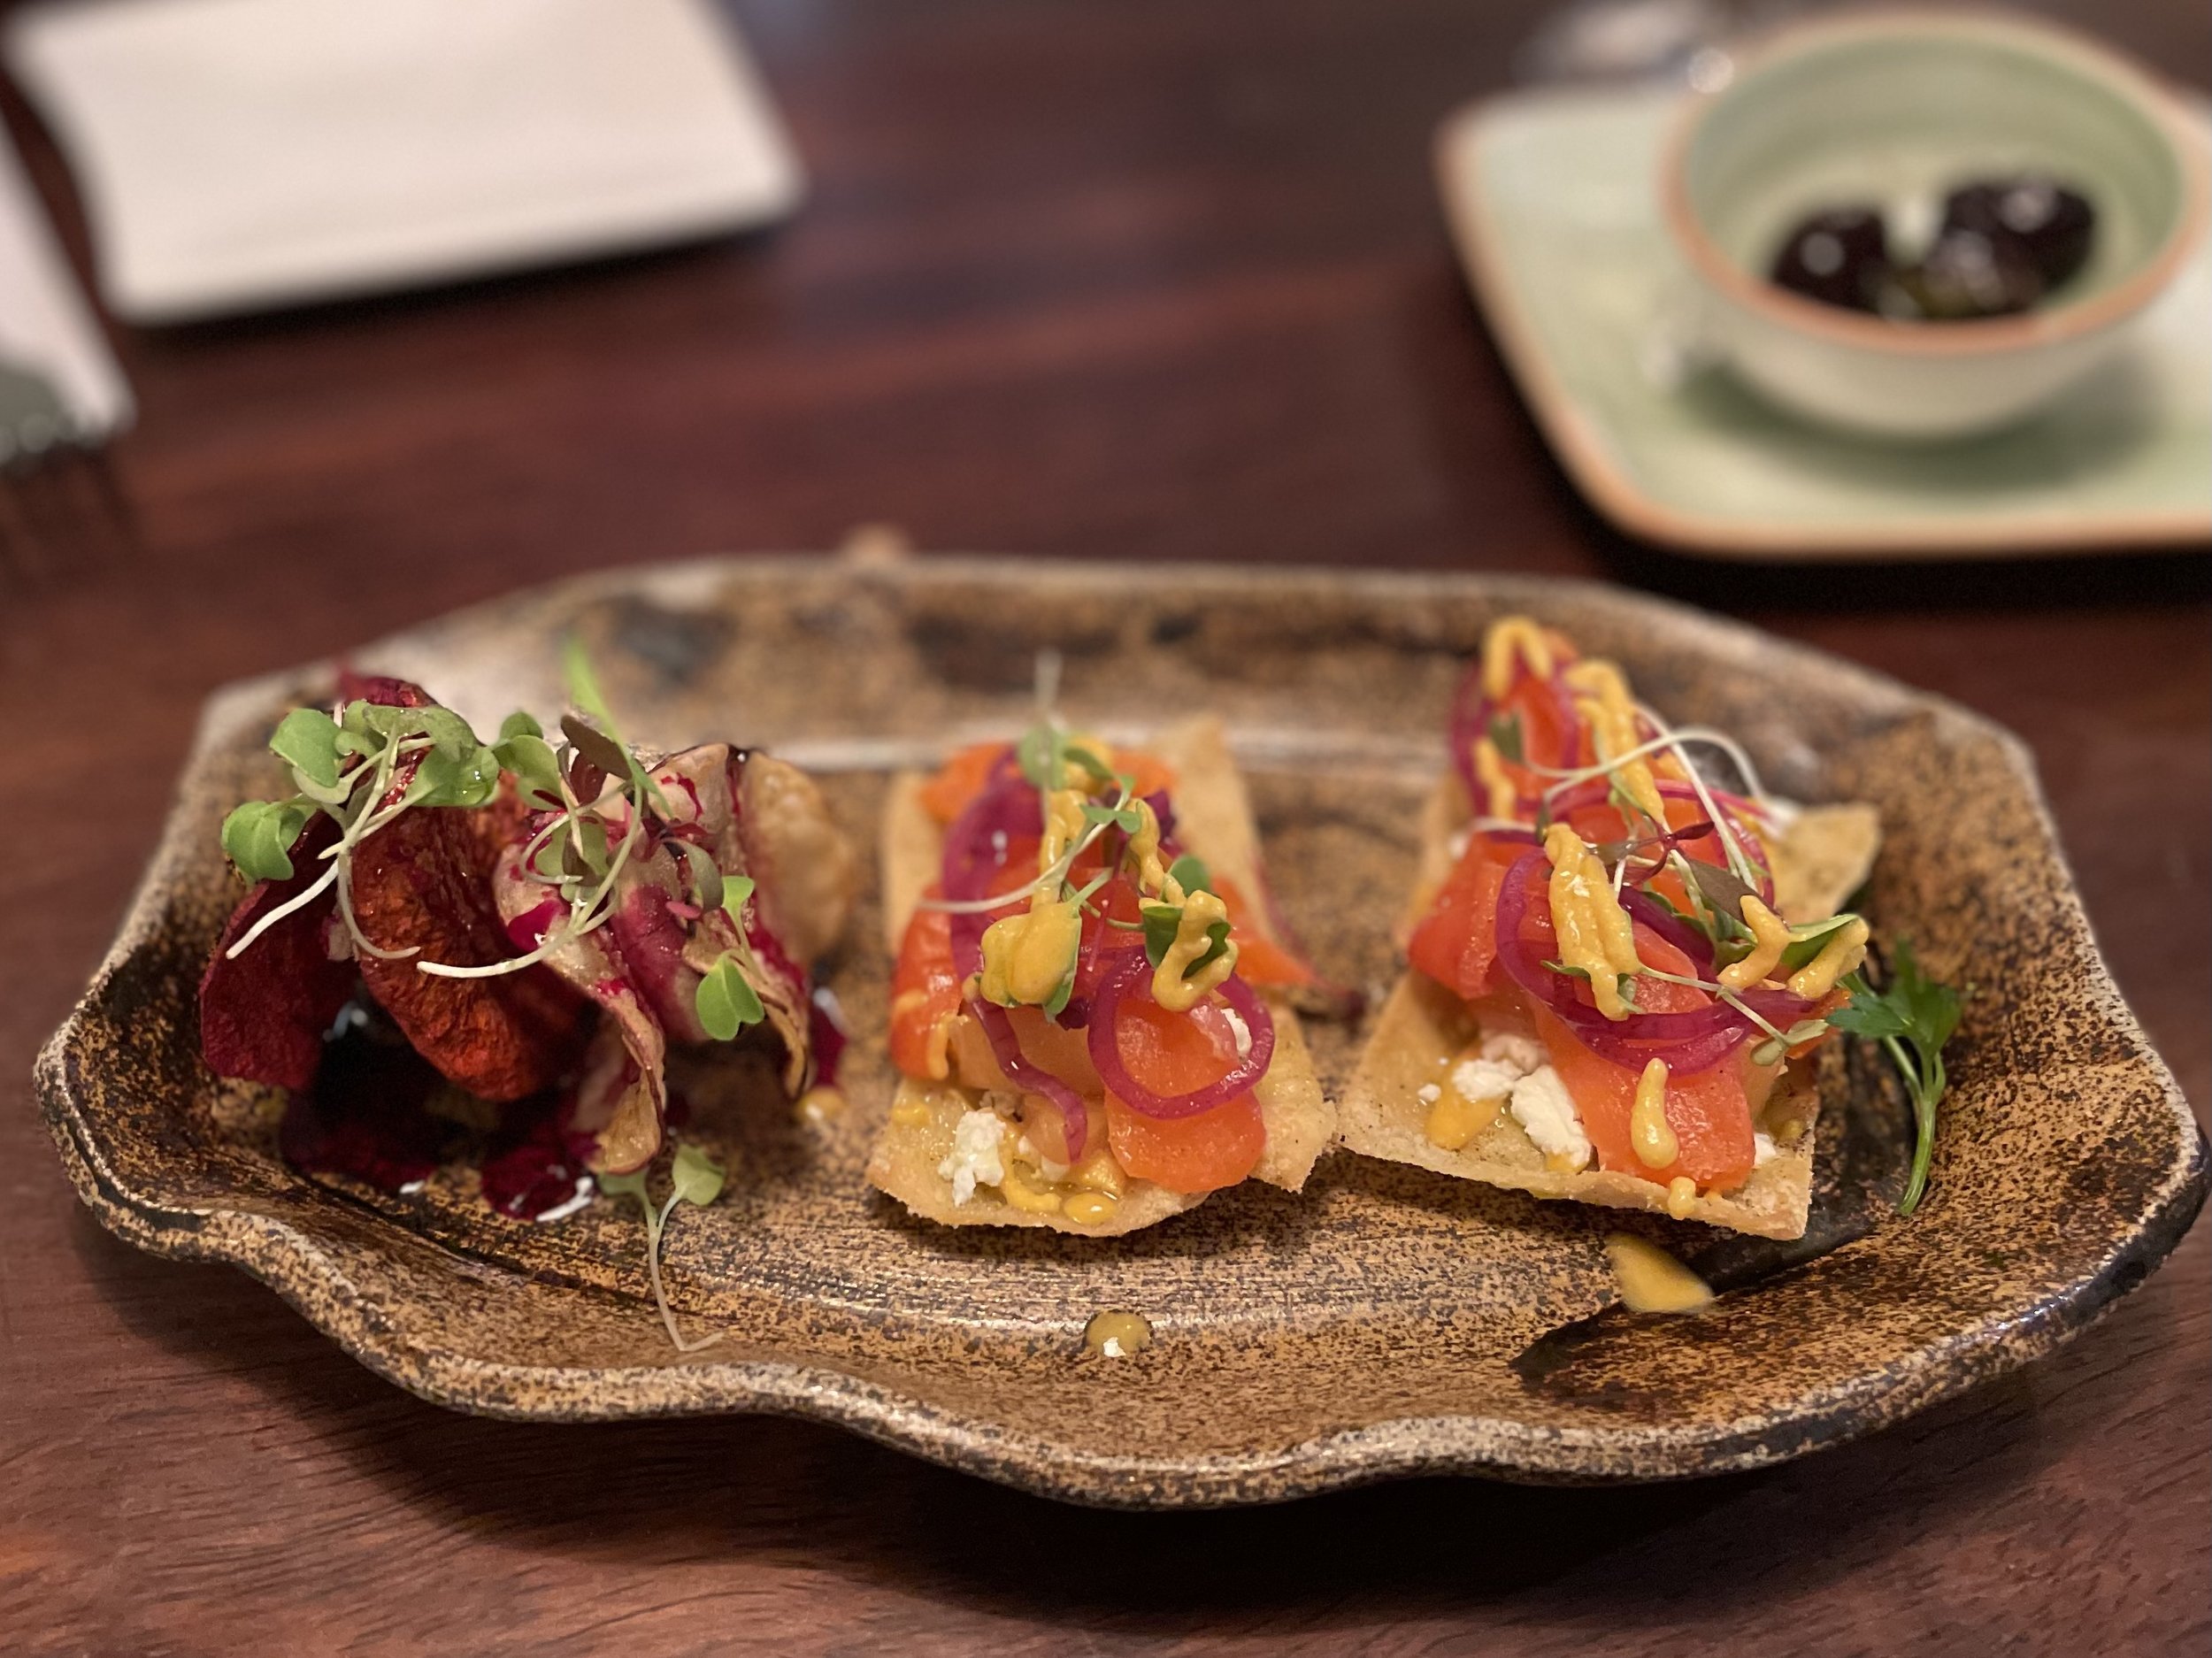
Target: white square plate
<point>241,154</point>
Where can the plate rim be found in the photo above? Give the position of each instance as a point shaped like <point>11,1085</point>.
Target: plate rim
<point>1581,442</point>
<point>310,1279</point>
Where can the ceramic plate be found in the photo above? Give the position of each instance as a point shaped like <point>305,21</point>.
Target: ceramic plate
<point>1553,202</point>
<point>1387,1322</point>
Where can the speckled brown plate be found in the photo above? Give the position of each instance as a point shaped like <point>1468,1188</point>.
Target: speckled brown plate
<point>1388,1321</point>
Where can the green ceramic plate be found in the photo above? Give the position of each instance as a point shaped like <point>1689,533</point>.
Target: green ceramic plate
<point>1552,199</point>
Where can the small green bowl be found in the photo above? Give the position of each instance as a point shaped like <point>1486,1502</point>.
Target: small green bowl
<point>1895,108</point>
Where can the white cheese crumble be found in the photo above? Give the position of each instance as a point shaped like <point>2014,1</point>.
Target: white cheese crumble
<point>1428,1093</point>
<point>1111,1348</point>
<point>1543,1108</point>
<point>1523,1053</point>
<point>1478,1079</point>
<point>1241,1031</point>
<point>974,1159</point>
<point>1763,1148</point>
<point>1054,1171</point>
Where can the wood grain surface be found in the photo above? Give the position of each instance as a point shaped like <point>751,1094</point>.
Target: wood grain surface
<point>1162,279</point>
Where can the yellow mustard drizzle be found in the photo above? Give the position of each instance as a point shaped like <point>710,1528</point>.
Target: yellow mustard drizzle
<point>1144,852</point>
<point>1116,1335</point>
<point>1594,933</point>
<point>1089,1209</point>
<point>1500,798</point>
<point>1843,952</point>
<point>910,1113</point>
<point>1649,1130</point>
<point>1770,936</point>
<point>1681,1197</point>
<point>1170,989</point>
<point>1455,1119</point>
<point>1035,1200</point>
<point>1513,639</point>
<point>1026,957</point>
<point>1653,1281</point>
<point>1602,699</point>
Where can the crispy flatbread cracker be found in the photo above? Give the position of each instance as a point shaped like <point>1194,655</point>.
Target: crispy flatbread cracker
<point>1213,820</point>
<point>1423,1027</point>
<point>1821,857</point>
<point>1824,855</point>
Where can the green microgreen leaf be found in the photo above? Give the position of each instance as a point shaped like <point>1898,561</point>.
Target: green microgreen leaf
<point>1191,874</point>
<point>583,690</point>
<point>1056,1003</point>
<point>737,892</point>
<point>537,769</point>
<point>1808,940</point>
<point>442,779</point>
<point>698,1178</point>
<point>595,746</point>
<point>520,724</point>
<point>307,739</point>
<point>258,837</point>
<point>724,1001</point>
<point>1123,818</point>
<point>1037,752</point>
<point>1161,923</point>
<point>706,875</point>
<point>1505,737</point>
<point>1721,891</point>
<point>630,1185</point>
<point>1084,757</point>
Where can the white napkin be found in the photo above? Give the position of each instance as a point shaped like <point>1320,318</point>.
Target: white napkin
<point>244,153</point>
<point>59,381</point>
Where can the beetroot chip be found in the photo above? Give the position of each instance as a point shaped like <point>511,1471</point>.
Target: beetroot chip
<point>425,881</point>
<point>262,1015</point>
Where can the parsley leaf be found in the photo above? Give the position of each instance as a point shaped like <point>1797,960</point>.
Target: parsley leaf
<point>1912,1019</point>
<point>1505,737</point>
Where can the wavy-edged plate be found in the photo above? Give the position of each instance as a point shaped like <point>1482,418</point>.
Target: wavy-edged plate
<point>1388,1322</point>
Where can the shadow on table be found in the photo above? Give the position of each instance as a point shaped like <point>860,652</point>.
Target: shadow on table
<point>615,1499</point>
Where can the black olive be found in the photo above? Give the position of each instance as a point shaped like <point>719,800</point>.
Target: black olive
<point>1966,275</point>
<point>1838,257</point>
<point>2050,224</point>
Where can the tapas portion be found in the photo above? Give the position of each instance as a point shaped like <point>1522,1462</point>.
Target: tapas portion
<point>537,917</point>
<point>1090,1015</point>
<point>1623,957</point>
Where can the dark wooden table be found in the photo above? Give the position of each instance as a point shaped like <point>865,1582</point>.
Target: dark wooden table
<point>1160,280</point>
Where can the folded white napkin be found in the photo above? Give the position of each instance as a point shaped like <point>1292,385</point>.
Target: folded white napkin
<point>244,153</point>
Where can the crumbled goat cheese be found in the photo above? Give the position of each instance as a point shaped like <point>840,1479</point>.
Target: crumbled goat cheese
<point>1763,1148</point>
<point>1241,1031</point>
<point>1054,1171</point>
<point>1428,1093</point>
<point>1478,1080</point>
<point>1543,1106</point>
<point>1523,1053</point>
<point>974,1159</point>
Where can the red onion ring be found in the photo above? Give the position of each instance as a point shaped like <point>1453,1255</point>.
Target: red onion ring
<point>1734,809</point>
<point>1689,1041</point>
<point>1132,978</point>
<point>1030,1078</point>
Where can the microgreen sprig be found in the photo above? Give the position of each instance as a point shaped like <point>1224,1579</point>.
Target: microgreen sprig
<point>1912,1020</point>
<point>695,1179</point>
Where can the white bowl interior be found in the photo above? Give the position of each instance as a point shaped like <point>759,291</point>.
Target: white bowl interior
<point>1896,119</point>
